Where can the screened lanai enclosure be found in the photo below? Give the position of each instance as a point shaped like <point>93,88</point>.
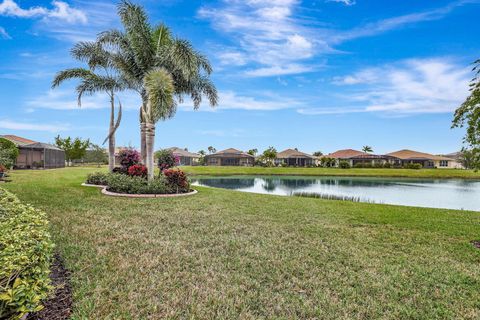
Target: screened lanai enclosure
<point>40,156</point>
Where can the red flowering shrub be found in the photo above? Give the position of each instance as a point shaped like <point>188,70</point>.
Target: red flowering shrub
<point>166,159</point>
<point>177,179</point>
<point>138,170</point>
<point>129,157</point>
<point>2,168</point>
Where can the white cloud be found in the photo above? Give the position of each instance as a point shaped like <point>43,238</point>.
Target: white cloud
<point>229,100</point>
<point>279,70</point>
<point>16,125</point>
<point>4,34</point>
<point>345,2</point>
<point>268,35</point>
<point>63,99</point>
<point>232,58</point>
<point>409,87</point>
<point>61,10</point>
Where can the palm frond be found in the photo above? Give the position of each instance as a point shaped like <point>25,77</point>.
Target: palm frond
<point>160,91</point>
<point>69,74</point>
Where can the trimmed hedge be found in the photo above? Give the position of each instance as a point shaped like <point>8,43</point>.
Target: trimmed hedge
<point>26,252</point>
<point>121,183</point>
<point>97,178</point>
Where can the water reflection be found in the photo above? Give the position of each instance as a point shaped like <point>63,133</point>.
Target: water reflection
<point>452,194</point>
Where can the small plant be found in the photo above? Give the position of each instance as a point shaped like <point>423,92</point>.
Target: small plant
<point>387,165</point>
<point>177,179</point>
<point>344,165</point>
<point>97,178</point>
<point>138,170</point>
<point>129,157</point>
<point>2,168</point>
<point>26,251</point>
<point>166,159</point>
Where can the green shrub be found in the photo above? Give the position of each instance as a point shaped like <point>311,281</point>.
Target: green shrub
<point>387,165</point>
<point>120,183</point>
<point>358,165</point>
<point>97,178</point>
<point>415,166</point>
<point>378,165</point>
<point>8,153</point>
<point>344,165</point>
<point>26,252</point>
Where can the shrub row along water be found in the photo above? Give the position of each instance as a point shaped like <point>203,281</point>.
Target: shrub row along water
<point>26,252</point>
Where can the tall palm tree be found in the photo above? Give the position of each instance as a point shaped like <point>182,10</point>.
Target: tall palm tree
<point>146,55</point>
<point>367,149</point>
<point>99,77</point>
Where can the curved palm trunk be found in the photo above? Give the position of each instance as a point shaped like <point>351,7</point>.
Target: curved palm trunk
<point>150,142</point>
<point>143,142</point>
<point>111,139</point>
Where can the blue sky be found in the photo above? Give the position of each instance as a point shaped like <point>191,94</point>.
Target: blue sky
<point>316,75</point>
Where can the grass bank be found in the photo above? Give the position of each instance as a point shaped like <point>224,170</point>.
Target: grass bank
<point>406,173</point>
<point>229,255</point>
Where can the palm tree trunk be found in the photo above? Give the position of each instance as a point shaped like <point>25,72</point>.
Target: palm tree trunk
<point>150,143</point>
<point>111,139</point>
<point>143,142</point>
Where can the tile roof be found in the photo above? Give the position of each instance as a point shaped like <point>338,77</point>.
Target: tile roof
<point>183,153</point>
<point>346,154</point>
<point>406,154</point>
<point>19,141</point>
<point>292,153</point>
<point>230,151</point>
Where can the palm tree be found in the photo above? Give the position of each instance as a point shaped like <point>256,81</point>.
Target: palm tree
<point>99,77</point>
<point>253,152</point>
<point>367,149</point>
<point>150,55</point>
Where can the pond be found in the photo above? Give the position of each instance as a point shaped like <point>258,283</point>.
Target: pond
<point>432,193</point>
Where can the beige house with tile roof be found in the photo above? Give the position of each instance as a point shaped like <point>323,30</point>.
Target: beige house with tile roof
<point>292,157</point>
<point>185,157</point>
<point>427,160</point>
<point>229,157</point>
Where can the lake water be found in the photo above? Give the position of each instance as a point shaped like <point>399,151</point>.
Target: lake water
<point>450,194</point>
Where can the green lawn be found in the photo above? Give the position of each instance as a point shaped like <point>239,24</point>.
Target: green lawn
<point>423,173</point>
<point>228,255</point>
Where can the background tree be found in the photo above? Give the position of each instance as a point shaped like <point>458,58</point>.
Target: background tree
<point>367,149</point>
<point>96,154</point>
<point>468,114</point>
<point>318,153</point>
<point>74,149</point>
<point>8,153</point>
<point>211,149</point>
<point>269,156</point>
<point>162,69</point>
<point>253,152</point>
<point>99,77</point>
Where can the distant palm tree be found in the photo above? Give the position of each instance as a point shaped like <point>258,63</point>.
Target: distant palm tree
<point>162,68</point>
<point>211,149</point>
<point>367,149</point>
<point>202,152</point>
<point>253,152</point>
<point>99,77</point>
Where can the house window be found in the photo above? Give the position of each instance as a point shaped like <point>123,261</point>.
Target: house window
<point>443,163</point>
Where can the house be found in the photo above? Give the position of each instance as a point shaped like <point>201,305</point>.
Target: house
<point>185,158</point>
<point>292,157</point>
<point>356,157</point>
<point>427,160</point>
<point>38,155</point>
<point>230,157</point>
<point>457,160</point>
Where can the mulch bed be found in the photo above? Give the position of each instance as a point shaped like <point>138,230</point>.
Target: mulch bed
<point>476,243</point>
<point>59,306</point>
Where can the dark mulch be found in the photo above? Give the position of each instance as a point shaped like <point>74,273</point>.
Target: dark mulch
<point>476,243</point>
<point>59,306</point>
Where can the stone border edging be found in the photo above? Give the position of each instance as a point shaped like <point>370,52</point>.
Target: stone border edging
<point>126,195</point>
